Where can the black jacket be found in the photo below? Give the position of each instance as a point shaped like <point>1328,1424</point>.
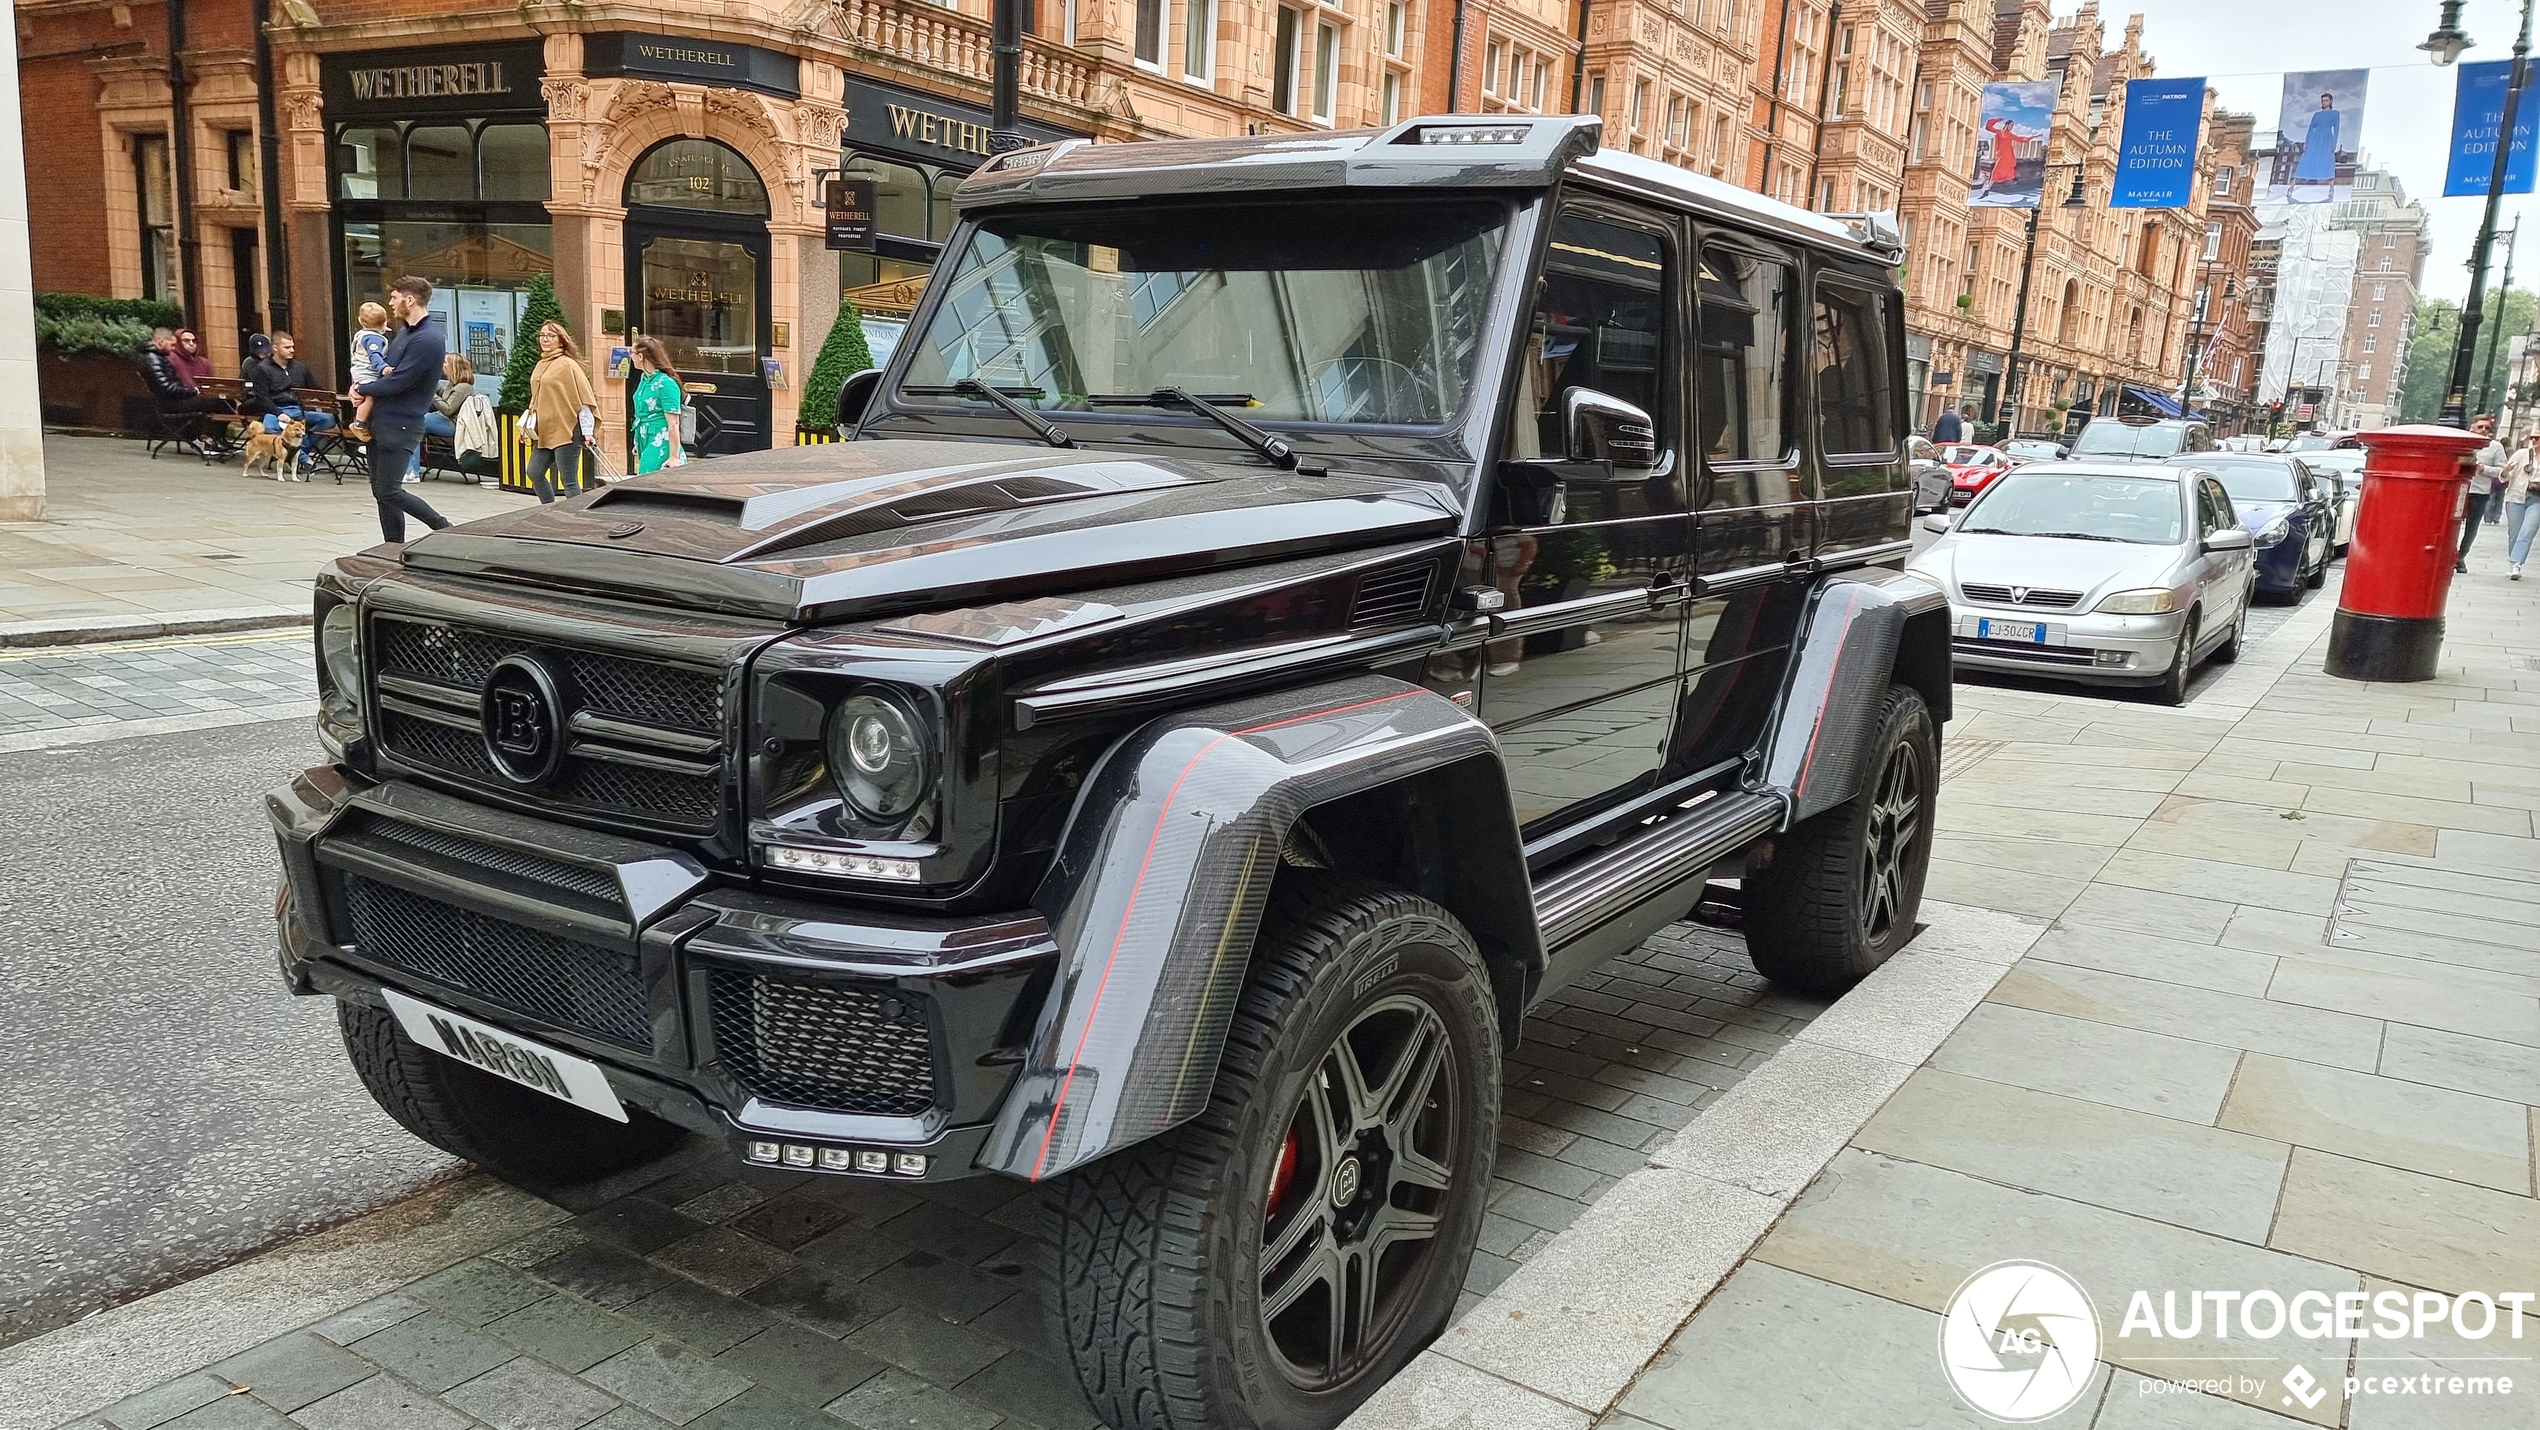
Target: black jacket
<point>166,383</point>
<point>413,361</point>
<point>272,381</point>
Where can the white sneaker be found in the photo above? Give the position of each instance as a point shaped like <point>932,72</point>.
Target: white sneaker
<point>412,480</point>
<point>2514,572</point>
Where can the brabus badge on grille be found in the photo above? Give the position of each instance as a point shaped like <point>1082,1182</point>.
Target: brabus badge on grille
<point>523,721</point>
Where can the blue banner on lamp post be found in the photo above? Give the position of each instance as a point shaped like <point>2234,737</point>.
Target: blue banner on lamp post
<point>2478,116</point>
<point>2156,153</point>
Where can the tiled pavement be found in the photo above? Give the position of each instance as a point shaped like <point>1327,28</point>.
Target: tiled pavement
<point>123,535</point>
<point>2283,1033</point>
<point>53,688</point>
<point>738,1298</point>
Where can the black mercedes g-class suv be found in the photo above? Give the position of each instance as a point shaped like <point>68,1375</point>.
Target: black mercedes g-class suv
<point>1290,604</point>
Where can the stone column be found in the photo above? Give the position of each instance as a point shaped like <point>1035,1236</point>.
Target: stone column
<point>21,410</point>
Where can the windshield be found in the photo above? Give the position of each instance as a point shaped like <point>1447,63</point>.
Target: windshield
<point>2034,502</point>
<point>1965,456</point>
<point>2253,481</point>
<point>2308,442</point>
<point>1319,311</point>
<point>2112,438</point>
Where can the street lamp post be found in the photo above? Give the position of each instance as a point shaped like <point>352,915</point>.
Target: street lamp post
<point>2008,415</point>
<point>2445,45</point>
<point>2495,340</point>
<point>2197,330</point>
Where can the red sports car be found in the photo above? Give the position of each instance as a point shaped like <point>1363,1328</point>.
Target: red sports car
<point>1972,469</point>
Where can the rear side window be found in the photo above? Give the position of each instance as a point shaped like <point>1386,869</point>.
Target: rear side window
<point>1854,410</point>
<point>1744,401</point>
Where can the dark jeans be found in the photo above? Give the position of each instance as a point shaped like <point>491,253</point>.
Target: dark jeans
<point>565,462</point>
<point>2477,507</point>
<point>392,455</point>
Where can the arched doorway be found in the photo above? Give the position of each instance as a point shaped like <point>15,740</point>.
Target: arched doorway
<point>697,278</point>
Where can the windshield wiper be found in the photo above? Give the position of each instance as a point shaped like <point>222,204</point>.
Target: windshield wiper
<point>2075,535</point>
<point>1002,397</point>
<point>1276,450</point>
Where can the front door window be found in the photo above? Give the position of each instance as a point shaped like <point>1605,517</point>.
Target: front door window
<point>701,299</point>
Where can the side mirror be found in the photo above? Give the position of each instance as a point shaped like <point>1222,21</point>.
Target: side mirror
<point>1607,429</point>
<point>1937,522</point>
<point>2230,538</point>
<point>854,395</point>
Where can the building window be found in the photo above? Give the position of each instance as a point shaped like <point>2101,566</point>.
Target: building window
<point>2390,240</point>
<point>440,162</point>
<point>2371,343</point>
<point>1492,55</point>
<point>2222,182</point>
<point>2374,321</point>
<point>1283,59</point>
<point>1327,70</point>
<point>1395,19</point>
<point>1199,40</point>
<point>1842,83</point>
<point>2213,241</point>
<point>2385,265</point>
<point>1720,139</point>
<point>1825,196</point>
<point>1392,100</point>
<point>240,147</point>
<point>2363,372</point>
<point>512,163</point>
<point>158,222</point>
<point>1596,94</point>
<point>1147,40</point>
<point>1640,103</point>
<point>2380,291</point>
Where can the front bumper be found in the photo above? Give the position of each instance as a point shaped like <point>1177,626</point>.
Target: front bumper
<point>2279,567</point>
<point>787,1026</point>
<point>2121,650</point>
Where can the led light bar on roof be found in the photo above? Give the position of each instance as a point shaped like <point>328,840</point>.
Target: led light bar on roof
<point>1473,134</point>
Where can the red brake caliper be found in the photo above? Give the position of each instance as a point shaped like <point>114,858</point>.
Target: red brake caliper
<point>1283,1176</point>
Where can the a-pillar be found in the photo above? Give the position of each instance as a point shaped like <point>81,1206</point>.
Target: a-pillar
<point>21,411</point>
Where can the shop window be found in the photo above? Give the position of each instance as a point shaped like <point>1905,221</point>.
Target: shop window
<point>697,174</point>
<point>480,275</point>
<point>158,223</point>
<point>440,162</point>
<point>940,208</point>
<point>900,199</point>
<point>1149,47</point>
<point>1283,61</point>
<point>370,163</point>
<point>1199,40</point>
<point>514,162</point>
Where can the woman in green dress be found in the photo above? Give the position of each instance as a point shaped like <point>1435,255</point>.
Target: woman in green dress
<point>654,425</point>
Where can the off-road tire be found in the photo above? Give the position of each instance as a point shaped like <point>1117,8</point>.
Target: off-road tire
<point>1806,926</point>
<point>2172,688</point>
<point>519,1135</point>
<point>1152,1254</point>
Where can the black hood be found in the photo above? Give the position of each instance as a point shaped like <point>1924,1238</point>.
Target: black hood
<point>819,533</point>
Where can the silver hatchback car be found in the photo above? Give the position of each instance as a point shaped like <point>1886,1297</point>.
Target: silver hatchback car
<point>2088,571</point>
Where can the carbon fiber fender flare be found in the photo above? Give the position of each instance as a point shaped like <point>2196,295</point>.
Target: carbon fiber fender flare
<point>1860,633</point>
<point>1165,866</point>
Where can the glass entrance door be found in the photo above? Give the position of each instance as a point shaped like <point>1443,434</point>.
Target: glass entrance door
<point>704,294</point>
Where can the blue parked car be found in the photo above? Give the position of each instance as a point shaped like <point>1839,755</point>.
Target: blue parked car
<point>2290,514</point>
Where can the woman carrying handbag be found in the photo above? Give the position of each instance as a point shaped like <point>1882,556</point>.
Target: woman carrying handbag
<point>561,412</point>
<point>653,424</point>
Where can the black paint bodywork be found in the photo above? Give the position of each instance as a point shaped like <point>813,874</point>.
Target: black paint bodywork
<point>1148,663</point>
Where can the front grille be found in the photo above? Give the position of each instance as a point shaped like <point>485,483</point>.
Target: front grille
<point>2022,650</point>
<point>683,702</point>
<point>2030,596</point>
<point>595,990</point>
<point>1396,595</point>
<point>829,1046</point>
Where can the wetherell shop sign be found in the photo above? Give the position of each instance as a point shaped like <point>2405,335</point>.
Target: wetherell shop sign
<point>427,81</point>
<point>477,80</point>
<point>925,128</point>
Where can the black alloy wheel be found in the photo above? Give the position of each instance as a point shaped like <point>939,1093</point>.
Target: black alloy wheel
<point>1896,816</point>
<point>1357,1194</point>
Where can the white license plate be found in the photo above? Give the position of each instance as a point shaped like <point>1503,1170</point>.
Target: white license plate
<point>2026,632</point>
<point>506,1055</point>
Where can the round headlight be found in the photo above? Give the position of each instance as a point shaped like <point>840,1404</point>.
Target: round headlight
<point>877,753</point>
<point>2275,531</point>
<point>339,647</point>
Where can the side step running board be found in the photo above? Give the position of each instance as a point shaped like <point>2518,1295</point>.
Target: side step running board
<point>1577,897</point>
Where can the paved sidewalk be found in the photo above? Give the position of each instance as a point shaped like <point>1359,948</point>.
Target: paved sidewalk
<point>2277,1028</point>
<point>127,536</point>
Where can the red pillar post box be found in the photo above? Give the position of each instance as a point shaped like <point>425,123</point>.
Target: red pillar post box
<point>2389,623</point>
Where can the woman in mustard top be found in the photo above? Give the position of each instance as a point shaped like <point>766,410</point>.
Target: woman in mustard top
<point>560,403</point>
<point>654,423</point>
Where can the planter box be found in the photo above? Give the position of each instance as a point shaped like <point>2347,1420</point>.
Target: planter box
<point>97,390</point>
